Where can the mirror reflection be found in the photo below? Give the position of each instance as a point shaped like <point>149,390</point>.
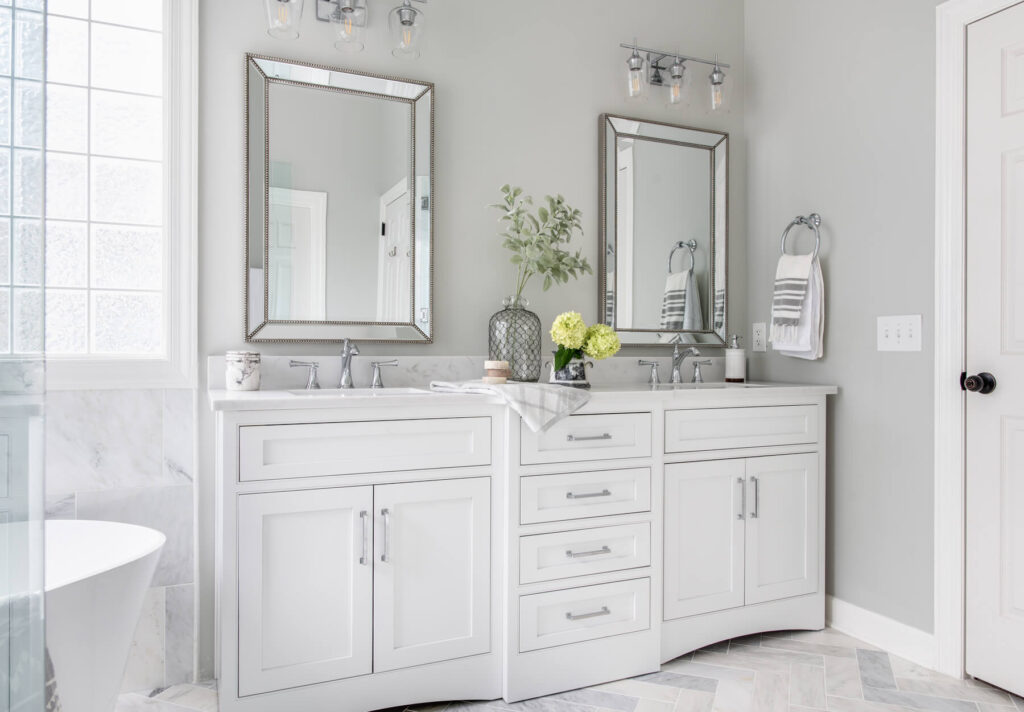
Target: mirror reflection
<point>339,214</point>
<point>663,232</point>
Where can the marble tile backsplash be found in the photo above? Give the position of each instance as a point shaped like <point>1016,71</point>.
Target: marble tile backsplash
<point>129,456</point>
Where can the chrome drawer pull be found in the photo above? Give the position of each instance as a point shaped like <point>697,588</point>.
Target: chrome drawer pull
<point>743,498</point>
<point>385,557</point>
<point>596,552</point>
<point>582,616</point>
<point>580,438</point>
<point>757,498</point>
<point>588,495</point>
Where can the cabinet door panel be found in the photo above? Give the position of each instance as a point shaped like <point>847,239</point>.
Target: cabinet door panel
<point>703,537</point>
<point>782,527</point>
<point>432,573</point>
<point>304,602</point>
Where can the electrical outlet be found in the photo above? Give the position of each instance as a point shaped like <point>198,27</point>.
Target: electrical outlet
<point>899,333</point>
<point>759,342</point>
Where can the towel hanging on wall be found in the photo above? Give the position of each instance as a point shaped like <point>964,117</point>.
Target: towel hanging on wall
<point>798,307</point>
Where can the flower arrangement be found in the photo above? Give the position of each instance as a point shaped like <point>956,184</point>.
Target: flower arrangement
<point>575,339</point>
<point>537,242</point>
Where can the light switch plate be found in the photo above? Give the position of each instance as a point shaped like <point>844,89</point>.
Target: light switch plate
<point>899,333</point>
<point>759,342</point>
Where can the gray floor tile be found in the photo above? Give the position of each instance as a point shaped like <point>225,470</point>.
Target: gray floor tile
<point>673,679</point>
<point>601,699</point>
<point>917,701</point>
<point>875,669</point>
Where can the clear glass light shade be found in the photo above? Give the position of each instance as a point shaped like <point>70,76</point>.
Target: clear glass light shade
<point>717,95</point>
<point>635,75</point>
<point>349,24</point>
<point>405,24</point>
<point>283,18</point>
<point>675,85</point>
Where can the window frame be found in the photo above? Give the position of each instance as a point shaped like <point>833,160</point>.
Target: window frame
<point>177,368</point>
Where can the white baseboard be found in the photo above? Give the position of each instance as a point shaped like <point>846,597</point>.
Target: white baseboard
<point>892,636</point>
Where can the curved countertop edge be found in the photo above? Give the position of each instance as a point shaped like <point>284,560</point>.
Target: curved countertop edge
<point>702,394</point>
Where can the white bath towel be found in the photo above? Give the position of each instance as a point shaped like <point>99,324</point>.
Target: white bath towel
<point>540,405</point>
<point>798,308</point>
<point>693,317</point>
<point>673,301</point>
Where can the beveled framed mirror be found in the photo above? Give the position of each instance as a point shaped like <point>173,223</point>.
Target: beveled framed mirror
<point>339,204</point>
<point>664,199</point>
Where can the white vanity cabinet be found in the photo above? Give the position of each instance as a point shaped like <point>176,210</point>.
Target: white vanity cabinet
<point>382,552</point>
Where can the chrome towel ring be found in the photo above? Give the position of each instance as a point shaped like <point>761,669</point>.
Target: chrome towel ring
<point>691,245</point>
<point>812,221</point>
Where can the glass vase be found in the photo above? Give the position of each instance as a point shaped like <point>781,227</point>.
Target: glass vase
<point>515,336</point>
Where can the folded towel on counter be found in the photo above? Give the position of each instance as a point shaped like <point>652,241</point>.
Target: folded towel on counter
<point>540,405</point>
<point>673,302</point>
<point>798,308</point>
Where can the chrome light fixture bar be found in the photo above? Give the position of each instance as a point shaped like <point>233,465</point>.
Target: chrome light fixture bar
<point>351,17</point>
<point>674,63</point>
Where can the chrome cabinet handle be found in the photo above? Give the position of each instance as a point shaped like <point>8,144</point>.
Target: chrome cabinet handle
<point>364,559</point>
<point>588,495</point>
<point>583,616</point>
<point>386,554</point>
<point>596,552</point>
<point>757,497</point>
<point>743,498</point>
<point>580,438</point>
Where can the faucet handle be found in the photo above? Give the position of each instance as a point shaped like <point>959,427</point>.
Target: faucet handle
<point>376,382</point>
<point>698,377</point>
<point>312,381</point>
<point>654,379</point>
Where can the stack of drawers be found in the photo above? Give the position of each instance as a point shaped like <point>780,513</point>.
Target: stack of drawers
<point>584,535</point>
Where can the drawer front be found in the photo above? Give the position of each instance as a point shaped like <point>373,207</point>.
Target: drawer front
<point>726,428</point>
<point>268,452</point>
<point>575,495</point>
<point>588,437</point>
<point>585,613</point>
<point>546,557</point>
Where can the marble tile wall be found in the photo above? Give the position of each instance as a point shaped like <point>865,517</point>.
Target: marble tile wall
<point>128,456</point>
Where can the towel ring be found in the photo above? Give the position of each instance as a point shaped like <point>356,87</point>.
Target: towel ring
<point>813,221</point>
<point>691,245</point>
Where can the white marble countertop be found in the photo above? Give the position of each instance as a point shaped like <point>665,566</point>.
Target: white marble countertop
<point>223,400</point>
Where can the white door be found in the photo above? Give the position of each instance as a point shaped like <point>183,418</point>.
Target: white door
<point>305,577</point>
<point>782,527</point>
<point>995,344</point>
<point>703,537</point>
<point>394,256</point>
<point>432,576</point>
<point>297,257</point>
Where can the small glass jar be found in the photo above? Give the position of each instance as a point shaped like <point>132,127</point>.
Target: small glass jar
<point>242,370</point>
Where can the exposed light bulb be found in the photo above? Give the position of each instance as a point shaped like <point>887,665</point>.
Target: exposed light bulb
<point>635,65</point>
<point>675,87</point>
<point>717,77</point>
<point>406,24</point>
<point>283,18</point>
<point>349,20</point>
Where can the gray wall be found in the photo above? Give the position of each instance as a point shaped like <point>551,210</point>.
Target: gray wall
<point>519,91</point>
<point>840,116</point>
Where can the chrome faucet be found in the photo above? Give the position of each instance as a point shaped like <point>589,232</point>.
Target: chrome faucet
<point>376,381</point>
<point>653,380</point>
<point>312,382</point>
<point>698,377</point>
<point>677,362</point>
<point>348,350</point>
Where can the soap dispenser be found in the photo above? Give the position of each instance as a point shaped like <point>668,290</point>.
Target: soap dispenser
<point>735,361</point>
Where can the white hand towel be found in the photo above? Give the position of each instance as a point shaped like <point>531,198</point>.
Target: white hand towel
<point>540,405</point>
<point>693,318</point>
<point>798,308</point>
<point>673,302</point>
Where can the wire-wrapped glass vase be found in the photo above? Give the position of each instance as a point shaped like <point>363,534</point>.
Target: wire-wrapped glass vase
<point>514,336</point>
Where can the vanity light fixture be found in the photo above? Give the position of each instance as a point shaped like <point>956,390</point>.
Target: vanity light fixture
<point>283,18</point>
<point>405,24</point>
<point>655,62</point>
<point>349,19</point>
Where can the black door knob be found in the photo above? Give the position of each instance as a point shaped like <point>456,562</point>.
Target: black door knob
<point>983,383</point>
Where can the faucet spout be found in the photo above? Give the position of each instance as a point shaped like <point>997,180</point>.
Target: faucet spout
<point>678,357</point>
<point>348,350</point>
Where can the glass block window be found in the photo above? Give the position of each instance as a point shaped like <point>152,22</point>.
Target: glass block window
<point>105,179</point>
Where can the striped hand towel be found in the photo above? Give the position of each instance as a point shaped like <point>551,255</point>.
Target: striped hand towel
<point>802,335</point>
<point>673,303</point>
<point>791,279</point>
<point>693,316</point>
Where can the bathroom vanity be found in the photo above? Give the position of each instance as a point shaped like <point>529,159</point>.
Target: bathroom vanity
<point>376,550</point>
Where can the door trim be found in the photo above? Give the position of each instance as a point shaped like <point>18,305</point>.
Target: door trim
<point>952,20</point>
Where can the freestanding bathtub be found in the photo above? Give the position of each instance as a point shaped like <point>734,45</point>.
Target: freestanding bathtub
<point>97,574</point>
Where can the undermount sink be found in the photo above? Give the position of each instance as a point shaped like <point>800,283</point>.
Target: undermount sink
<point>362,392</point>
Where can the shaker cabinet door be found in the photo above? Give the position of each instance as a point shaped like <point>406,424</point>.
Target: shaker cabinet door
<point>782,527</point>
<point>305,581</point>
<point>703,537</point>
<point>432,572</point>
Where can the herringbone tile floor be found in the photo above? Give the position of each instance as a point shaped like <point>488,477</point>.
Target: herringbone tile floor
<point>774,672</point>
